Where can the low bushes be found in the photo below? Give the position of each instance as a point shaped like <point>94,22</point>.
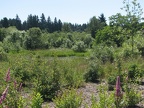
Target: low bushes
<point>68,99</point>
<point>118,98</point>
<point>94,73</point>
<point>3,55</point>
<point>47,77</point>
<point>79,47</point>
<point>134,72</point>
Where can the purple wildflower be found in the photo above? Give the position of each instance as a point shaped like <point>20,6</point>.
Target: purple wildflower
<point>118,91</point>
<point>8,75</point>
<point>0,101</point>
<point>4,95</point>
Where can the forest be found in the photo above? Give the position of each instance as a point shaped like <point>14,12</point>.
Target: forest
<point>47,63</point>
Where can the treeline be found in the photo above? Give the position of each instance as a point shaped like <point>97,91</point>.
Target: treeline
<point>45,23</point>
<point>42,33</point>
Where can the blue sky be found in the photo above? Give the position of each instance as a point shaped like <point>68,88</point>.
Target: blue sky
<point>74,11</point>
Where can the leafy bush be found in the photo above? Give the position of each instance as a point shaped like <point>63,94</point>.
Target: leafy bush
<point>12,93</point>
<point>117,99</point>
<point>134,72</point>
<point>3,55</point>
<point>3,33</point>
<point>110,36</point>
<point>94,72</point>
<point>68,99</point>
<point>37,101</point>
<point>88,40</point>
<point>103,53</point>
<point>112,76</point>
<point>112,79</point>
<point>105,99</point>
<point>15,99</point>
<point>67,43</point>
<point>22,72</point>
<point>131,96</point>
<point>79,46</point>
<point>33,40</point>
<point>139,42</point>
<point>11,47</point>
<point>48,83</point>
<point>73,78</point>
<point>126,50</point>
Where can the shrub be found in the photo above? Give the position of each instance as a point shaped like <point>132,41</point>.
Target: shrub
<point>37,101</point>
<point>104,100</point>
<point>48,83</point>
<point>94,72</point>
<point>22,72</point>
<point>126,50</point>
<point>3,33</point>
<point>103,53</point>
<point>88,40</point>
<point>11,47</point>
<point>117,99</point>
<point>69,99</point>
<point>131,96</point>
<point>111,36</point>
<point>33,40</point>
<point>14,99</point>
<point>73,78</point>
<point>112,79</point>
<point>3,55</point>
<point>79,46</point>
<point>134,72</point>
<point>67,43</point>
<point>11,97</point>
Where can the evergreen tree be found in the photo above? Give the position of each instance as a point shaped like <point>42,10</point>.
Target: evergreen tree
<point>49,25</point>
<point>35,21</point>
<point>55,27</point>
<point>83,27</point>
<point>24,26</point>
<point>59,25</point>
<point>5,22</point>
<point>12,22</point>
<point>30,21</point>
<point>94,26</point>
<point>18,22</point>
<point>42,22</point>
<point>66,27</point>
<point>102,19</point>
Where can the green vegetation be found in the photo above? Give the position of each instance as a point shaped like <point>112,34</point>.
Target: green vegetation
<point>49,61</point>
<point>69,99</point>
